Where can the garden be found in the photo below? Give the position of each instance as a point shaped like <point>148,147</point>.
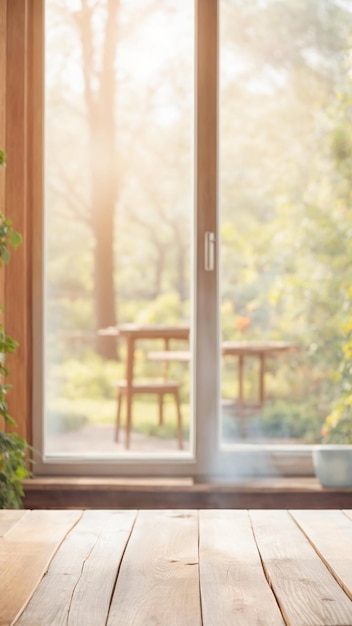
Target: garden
<point>285,205</point>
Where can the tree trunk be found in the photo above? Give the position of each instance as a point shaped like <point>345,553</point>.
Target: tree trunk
<point>181,255</point>
<point>103,167</point>
<point>104,289</point>
<point>159,267</point>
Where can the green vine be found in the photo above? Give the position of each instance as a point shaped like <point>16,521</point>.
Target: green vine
<point>13,448</point>
<point>337,427</point>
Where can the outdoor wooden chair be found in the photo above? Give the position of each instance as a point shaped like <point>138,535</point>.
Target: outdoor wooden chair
<point>160,388</point>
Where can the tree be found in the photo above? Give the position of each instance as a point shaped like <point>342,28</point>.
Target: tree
<point>100,95</point>
<point>285,238</point>
<point>112,125</point>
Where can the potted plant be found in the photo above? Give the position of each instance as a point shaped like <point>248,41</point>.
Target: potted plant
<point>13,448</point>
<point>332,459</point>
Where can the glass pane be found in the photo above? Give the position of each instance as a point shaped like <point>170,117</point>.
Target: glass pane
<point>285,181</point>
<point>118,171</point>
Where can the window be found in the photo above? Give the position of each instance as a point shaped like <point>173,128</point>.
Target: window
<point>123,163</point>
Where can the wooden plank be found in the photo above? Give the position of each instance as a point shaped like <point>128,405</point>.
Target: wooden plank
<point>158,581</point>
<point>18,314</point>
<point>3,29</point>
<point>331,536</point>
<point>78,586</point>
<point>232,582</point>
<point>99,483</point>
<point>3,18</point>
<point>123,493</point>
<point>270,484</point>
<point>25,552</point>
<point>305,590</point>
<point>8,518</point>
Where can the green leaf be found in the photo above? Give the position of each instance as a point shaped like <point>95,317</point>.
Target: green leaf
<point>15,238</point>
<point>4,255</point>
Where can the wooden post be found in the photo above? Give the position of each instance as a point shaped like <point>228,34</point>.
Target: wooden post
<point>20,25</point>
<point>3,13</point>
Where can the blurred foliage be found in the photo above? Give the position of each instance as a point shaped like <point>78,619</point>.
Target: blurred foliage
<point>291,420</point>
<point>166,308</point>
<point>13,448</point>
<point>91,377</point>
<point>337,427</point>
<point>13,469</point>
<point>285,201</point>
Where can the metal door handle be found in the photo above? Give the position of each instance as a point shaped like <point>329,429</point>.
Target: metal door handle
<point>209,251</point>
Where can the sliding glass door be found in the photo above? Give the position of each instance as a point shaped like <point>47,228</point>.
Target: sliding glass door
<point>119,143</point>
<point>197,178</point>
<point>285,106</point>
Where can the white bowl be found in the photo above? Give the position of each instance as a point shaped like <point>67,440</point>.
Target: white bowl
<point>333,464</point>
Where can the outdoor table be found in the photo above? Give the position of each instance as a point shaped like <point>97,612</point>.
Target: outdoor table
<point>176,567</point>
<point>260,350</point>
<point>240,349</point>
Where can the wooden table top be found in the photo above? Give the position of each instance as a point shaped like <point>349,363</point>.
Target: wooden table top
<point>176,567</point>
<point>149,331</point>
<point>234,348</point>
<point>255,347</point>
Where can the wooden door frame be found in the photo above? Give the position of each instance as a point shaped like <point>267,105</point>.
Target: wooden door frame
<point>21,21</point>
<point>21,198</point>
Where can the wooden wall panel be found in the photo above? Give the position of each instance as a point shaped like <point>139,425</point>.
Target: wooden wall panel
<point>17,275</point>
<point>3,13</point>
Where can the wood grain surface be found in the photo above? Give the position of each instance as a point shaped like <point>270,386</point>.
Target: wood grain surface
<point>176,568</point>
<point>305,590</point>
<point>25,553</point>
<point>233,585</point>
<point>158,581</point>
<point>78,586</point>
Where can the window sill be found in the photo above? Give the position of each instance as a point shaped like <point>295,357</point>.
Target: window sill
<point>157,493</point>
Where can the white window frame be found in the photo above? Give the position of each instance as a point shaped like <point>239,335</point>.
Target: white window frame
<point>207,459</point>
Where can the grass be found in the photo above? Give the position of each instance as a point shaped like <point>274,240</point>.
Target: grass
<point>70,414</point>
